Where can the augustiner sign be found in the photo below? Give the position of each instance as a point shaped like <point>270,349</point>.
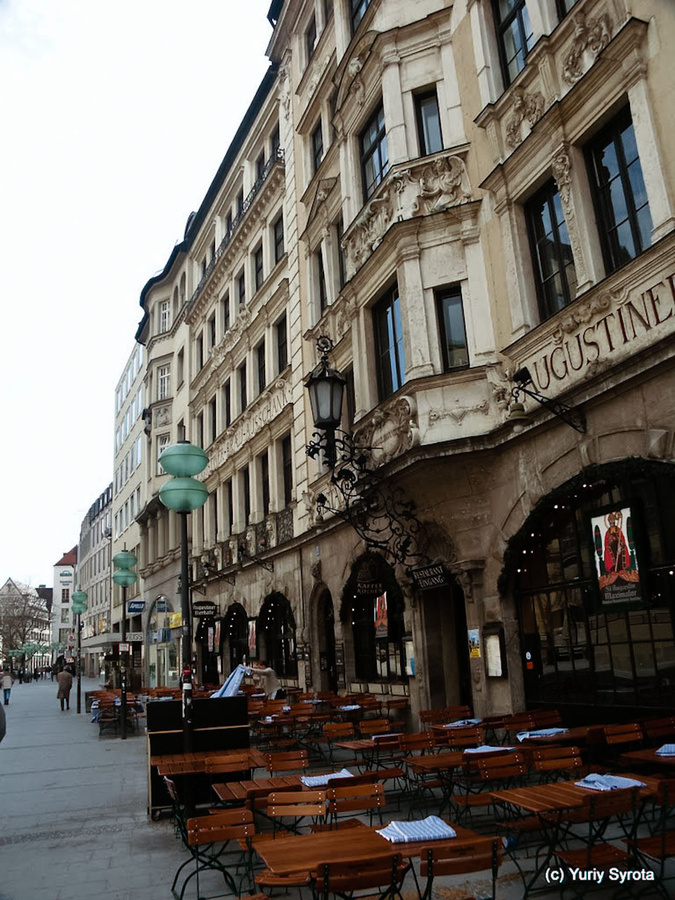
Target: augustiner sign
<point>610,326</point>
<point>427,577</point>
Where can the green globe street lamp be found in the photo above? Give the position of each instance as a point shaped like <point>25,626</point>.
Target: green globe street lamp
<point>123,562</point>
<point>183,493</point>
<point>78,604</point>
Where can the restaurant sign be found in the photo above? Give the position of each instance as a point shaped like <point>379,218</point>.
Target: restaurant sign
<point>427,577</point>
<point>203,608</point>
<point>609,326</point>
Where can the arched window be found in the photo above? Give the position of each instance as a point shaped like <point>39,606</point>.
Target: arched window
<point>592,573</point>
<point>276,635</point>
<point>372,603</point>
<point>235,634</point>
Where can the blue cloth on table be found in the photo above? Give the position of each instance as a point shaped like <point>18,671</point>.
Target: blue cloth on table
<point>430,829</point>
<point>487,748</point>
<point>597,782</point>
<point>350,707</point>
<point>540,732</point>
<point>462,723</point>
<point>322,780</point>
<point>666,750</point>
<point>231,686</point>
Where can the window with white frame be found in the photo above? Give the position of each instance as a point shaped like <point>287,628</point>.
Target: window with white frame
<point>162,443</point>
<point>164,316</point>
<point>163,382</point>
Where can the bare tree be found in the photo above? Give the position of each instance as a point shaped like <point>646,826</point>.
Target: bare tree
<point>24,616</point>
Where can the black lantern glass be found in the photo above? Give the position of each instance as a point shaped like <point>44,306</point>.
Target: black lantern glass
<point>326,389</point>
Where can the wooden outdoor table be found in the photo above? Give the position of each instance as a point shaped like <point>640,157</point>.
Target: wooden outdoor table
<point>576,735</point>
<point>304,853</point>
<point>194,763</point>
<point>243,791</point>
<point>648,756</point>
<point>561,794</point>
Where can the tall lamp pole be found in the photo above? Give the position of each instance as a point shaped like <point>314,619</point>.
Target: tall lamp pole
<point>123,562</point>
<point>183,493</point>
<point>78,604</point>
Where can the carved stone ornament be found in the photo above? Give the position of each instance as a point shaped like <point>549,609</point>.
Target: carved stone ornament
<point>583,314</point>
<point>163,415</point>
<point>457,413</point>
<point>591,35</point>
<point>343,319</point>
<point>526,107</point>
<point>285,91</point>
<point>391,431</point>
<point>369,230</point>
<point>562,167</point>
<point>316,570</point>
<point>442,183</point>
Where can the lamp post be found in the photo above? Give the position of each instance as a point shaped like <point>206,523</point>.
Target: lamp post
<point>183,493</point>
<point>326,388</point>
<point>78,604</point>
<point>123,562</point>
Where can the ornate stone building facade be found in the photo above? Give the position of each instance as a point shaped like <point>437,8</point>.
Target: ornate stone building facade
<point>474,202</point>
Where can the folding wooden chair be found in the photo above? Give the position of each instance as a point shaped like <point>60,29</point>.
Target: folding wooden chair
<point>344,801</point>
<point>283,806</point>
<point>444,859</point>
<point>379,876</point>
<point>554,763</point>
<point>287,761</point>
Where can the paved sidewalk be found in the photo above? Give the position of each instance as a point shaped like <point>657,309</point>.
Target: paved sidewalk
<point>73,807</point>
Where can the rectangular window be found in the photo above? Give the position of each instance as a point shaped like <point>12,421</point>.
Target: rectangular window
<point>229,506</point>
<point>321,295</point>
<point>265,481</point>
<point>358,10</point>
<point>374,154</point>
<point>241,288</point>
<point>258,267</point>
<point>180,363</point>
<point>214,513</point>
<point>227,403</point>
<point>199,430</point>
<point>621,204</point>
<point>213,418</point>
<point>514,33</point>
<point>287,469</point>
<point>164,315</point>
<point>225,312</point>
<point>317,146</point>
<point>310,39</point>
<point>243,395</point>
<point>428,122</point>
<point>212,332</point>
<point>282,344</point>
<point>260,167</point>
<point>163,382</point>
<point>350,401</point>
<point>451,329</point>
<point>65,595</point>
<point>390,356</point>
<point>278,229</point>
<point>564,6</point>
<point>327,11</point>
<point>339,234</point>
<point>240,202</point>
<point>275,142</point>
<point>262,371</point>
<point>228,222</point>
<point>162,442</point>
<point>554,272</point>
<point>246,493</point>
<point>199,352</point>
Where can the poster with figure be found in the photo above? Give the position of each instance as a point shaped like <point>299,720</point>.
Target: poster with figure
<point>252,640</point>
<point>616,556</point>
<point>381,618</point>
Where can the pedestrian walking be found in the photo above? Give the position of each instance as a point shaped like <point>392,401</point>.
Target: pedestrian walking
<point>7,682</point>
<point>65,682</point>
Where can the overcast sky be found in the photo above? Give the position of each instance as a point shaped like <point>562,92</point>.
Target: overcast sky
<point>114,119</point>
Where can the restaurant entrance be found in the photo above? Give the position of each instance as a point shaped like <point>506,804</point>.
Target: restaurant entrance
<point>445,634</point>
<point>593,573</point>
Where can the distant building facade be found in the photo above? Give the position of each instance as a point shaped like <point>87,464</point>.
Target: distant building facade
<point>63,623</point>
<point>94,577</point>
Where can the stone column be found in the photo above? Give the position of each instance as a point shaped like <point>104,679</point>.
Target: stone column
<point>416,327</point>
<point>392,101</point>
<point>469,574</point>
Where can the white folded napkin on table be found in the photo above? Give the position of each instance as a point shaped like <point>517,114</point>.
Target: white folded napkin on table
<point>462,723</point>
<point>321,780</point>
<point>596,782</point>
<point>349,707</point>
<point>666,750</point>
<point>430,829</point>
<point>540,732</point>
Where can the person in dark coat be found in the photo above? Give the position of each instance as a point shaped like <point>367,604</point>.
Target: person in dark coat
<point>3,725</point>
<point>65,682</point>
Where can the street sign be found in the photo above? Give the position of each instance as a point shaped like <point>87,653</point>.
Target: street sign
<point>135,636</point>
<point>203,608</point>
<point>135,606</point>
<point>427,577</point>
<point>124,648</point>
